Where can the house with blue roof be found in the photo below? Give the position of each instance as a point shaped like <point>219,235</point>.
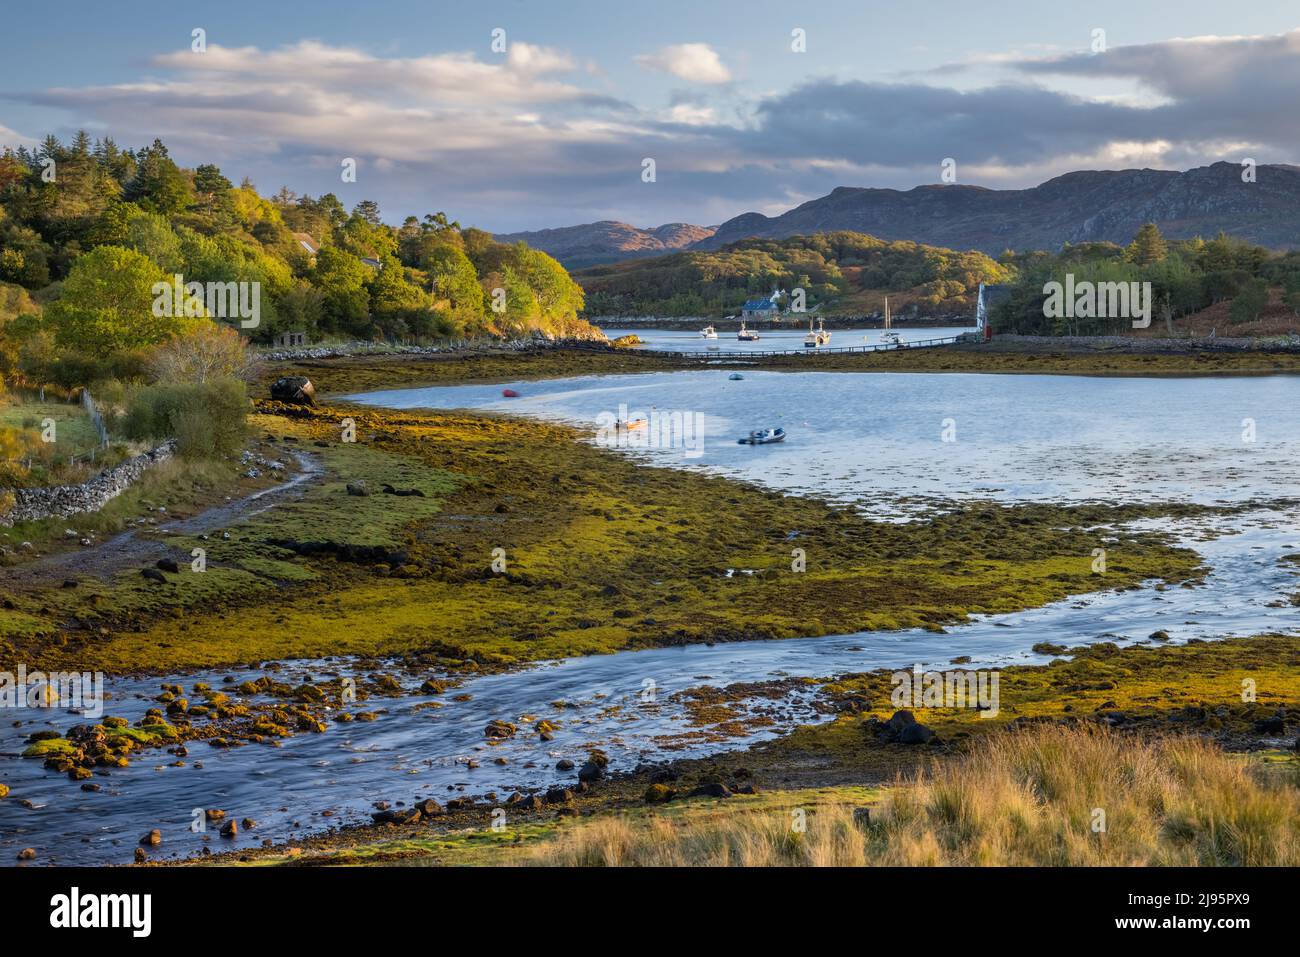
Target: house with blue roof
<point>765,308</point>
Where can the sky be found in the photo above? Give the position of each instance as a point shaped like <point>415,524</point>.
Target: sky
<point>526,114</point>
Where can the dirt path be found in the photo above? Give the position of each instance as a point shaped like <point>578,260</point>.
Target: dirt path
<point>138,547</point>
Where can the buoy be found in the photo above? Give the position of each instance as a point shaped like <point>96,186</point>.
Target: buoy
<point>510,393</point>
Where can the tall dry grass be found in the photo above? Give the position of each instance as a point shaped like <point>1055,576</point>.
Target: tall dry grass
<point>1033,797</point>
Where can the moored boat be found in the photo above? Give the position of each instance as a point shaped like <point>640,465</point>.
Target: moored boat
<point>763,437</point>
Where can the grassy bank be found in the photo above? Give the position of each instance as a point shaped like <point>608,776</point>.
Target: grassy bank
<point>1041,797</point>
<point>665,557</point>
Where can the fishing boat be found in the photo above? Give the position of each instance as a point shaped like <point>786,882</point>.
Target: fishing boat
<point>708,332</point>
<point>763,437</point>
<point>816,337</point>
<point>746,335</point>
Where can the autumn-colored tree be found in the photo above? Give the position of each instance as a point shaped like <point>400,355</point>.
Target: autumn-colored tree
<point>1148,246</point>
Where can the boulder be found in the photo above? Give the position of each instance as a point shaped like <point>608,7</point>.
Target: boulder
<point>714,789</point>
<point>559,796</point>
<point>658,794</point>
<point>294,389</point>
<point>152,839</point>
<point>591,771</point>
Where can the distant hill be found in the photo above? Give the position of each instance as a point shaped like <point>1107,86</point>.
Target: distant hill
<point>608,241</point>
<point>841,273</point>
<point>1085,206</point>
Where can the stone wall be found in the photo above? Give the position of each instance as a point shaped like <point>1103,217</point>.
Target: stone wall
<point>33,504</point>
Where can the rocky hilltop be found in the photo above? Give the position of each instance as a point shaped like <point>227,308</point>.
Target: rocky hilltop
<point>594,244</point>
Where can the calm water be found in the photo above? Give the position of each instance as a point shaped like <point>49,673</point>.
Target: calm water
<point>690,340</point>
<point>856,437</point>
<point>871,438</point>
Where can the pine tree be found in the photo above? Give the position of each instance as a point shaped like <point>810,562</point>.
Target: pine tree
<point>1148,246</point>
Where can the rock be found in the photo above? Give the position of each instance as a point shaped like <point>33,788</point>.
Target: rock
<point>1160,635</point>
<point>408,815</point>
<point>27,854</point>
<point>500,729</point>
<point>902,728</point>
<point>658,794</point>
<point>915,734</point>
<point>591,771</point>
<point>862,817</point>
<point>564,764</point>
<point>167,565</point>
<point>403,492</point>
<point>559,796</point>
<point>294,389</point>
<point>747,789</point>
<point>714,789</point>
<point>154,575</point>
<point>248,824</point>
<point>530,803</point>
<point>4,790</point>
<point>152,839</point>
<point>140,855</point>
<point>460,804</point>
<point>430,808</point>
<point>70,583</point>
<point>1274,725</point>
<point>358,488</point>
<point>214,814</point>
<point>230,829</point>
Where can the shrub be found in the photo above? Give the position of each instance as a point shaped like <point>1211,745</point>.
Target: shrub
<point>208,420</point>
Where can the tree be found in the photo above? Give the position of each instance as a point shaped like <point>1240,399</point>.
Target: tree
<point>456,291</point>
<point>206,351</point>
<point>1249,302</point>
<point>159,185</point>
<point>341,277</point>
<point>107,304</point>
<point>1148,246</point>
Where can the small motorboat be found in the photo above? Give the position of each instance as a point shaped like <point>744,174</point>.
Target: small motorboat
<point>735,377</point>
<point>631,426</point>
<point>763,437</point>
<point>510,393</point>
<point>746,335</point>
<point>708,332</point>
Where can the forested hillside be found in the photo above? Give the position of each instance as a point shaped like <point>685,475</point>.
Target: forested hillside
<point>833,269</point>
<point>87,229</point>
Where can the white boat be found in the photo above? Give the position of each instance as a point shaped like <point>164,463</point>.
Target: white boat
<point>708,332</point>
<point>818,337</point>
<point>888,335</point>
<point>746,335</point>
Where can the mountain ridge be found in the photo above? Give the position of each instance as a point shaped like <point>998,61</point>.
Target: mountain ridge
<point>1075,207</point>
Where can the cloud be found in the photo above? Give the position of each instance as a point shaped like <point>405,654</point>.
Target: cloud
<point>524,139</point>
<point>693,62</point>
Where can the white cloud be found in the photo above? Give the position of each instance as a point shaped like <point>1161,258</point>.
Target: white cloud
<point>693,62</point>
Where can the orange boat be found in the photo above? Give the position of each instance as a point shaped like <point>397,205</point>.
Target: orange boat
<point>510,393</point>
